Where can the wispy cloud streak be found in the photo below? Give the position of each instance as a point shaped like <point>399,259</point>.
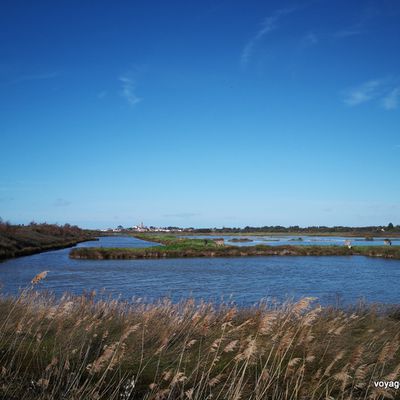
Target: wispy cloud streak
<point>385,91</point>
<point>363,93</point>
<point>270,24</point>
<point>391,100</point>
<point>128,90</point>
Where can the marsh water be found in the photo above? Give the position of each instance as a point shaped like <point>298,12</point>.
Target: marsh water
<point>283,240</point>
<point>244,280</point>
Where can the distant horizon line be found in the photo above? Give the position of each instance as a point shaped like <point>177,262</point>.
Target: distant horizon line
<point>390,225</point>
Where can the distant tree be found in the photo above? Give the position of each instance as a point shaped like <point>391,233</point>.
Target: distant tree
<point>390,226</point>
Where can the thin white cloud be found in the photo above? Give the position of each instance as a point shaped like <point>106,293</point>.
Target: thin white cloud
<point>128,90</point>
<point>367,91</point>
<point>391,100</point>
<point>269,24</point>
<point>384,91</point>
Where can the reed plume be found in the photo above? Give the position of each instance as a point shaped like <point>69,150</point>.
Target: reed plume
<point>84,347</point>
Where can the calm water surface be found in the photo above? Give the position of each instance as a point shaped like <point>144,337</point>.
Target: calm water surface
<point>298,240</point>
<point>246,279</point>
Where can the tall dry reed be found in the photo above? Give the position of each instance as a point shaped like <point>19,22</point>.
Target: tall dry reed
<point>80,347</point>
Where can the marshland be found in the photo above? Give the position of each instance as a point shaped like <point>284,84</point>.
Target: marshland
<point>179,247</point>
<point>198,328</point>
<point>199,200</point>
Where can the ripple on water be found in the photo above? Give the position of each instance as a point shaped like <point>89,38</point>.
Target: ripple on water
<point>247,279</point>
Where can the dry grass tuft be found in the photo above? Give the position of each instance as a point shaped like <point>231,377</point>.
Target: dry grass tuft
<point>39,277</point>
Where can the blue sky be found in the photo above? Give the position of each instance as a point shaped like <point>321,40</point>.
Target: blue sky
<point>212,113</point>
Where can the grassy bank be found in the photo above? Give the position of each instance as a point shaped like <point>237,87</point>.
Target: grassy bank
<point>22,240</point>
<point>174,247</point>
<point>78,348</point>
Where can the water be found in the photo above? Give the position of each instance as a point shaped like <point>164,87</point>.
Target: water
<point>283,240</point>
<point>246,279</point>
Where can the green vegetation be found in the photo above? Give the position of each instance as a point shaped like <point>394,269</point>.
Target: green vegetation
<point>87,348</point>
<point>178,243</point>
<point>21,240</point>
<point>174,247</point>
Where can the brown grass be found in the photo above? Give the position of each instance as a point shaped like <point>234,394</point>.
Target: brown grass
<point>83,348</point>
<point>22,240</point>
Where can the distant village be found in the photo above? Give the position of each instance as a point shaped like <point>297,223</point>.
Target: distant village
<point>367,231</point>
<point>143,228</point>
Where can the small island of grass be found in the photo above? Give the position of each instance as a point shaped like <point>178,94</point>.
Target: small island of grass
<point>175,247</point>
